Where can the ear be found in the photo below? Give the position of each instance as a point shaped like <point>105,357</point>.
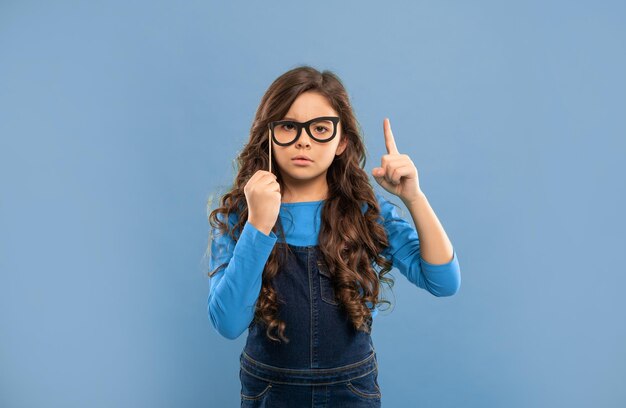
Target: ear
<point>342,146</point>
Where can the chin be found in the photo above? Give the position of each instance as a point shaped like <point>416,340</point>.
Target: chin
<point>304,174</point>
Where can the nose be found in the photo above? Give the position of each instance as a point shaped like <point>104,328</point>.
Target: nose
<point>303,140</point>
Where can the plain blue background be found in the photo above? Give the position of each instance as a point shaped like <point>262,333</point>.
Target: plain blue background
<point>118,120</point>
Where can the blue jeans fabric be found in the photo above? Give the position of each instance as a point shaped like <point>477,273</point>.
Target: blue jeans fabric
<point>326,363</point>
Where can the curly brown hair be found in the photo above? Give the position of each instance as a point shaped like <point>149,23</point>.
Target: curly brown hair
<point>350,240</point>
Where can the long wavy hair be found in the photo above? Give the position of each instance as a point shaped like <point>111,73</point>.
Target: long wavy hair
<point>350,241</point>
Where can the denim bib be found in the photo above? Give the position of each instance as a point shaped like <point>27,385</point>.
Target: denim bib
<point>327,362</point>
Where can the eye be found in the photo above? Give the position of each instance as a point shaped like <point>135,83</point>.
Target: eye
<point>322,127</point>
<point>286,126</point>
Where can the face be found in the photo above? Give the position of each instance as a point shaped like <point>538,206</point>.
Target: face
<point>308,105</point>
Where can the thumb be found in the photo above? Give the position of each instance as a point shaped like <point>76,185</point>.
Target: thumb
<point>378,173</point>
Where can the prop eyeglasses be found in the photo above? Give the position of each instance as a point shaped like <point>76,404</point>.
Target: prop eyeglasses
<point>286,132</point>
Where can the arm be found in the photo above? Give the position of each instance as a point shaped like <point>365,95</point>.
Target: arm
<point>435,244</point>
<point>236,287</point>
<point>441,279</point>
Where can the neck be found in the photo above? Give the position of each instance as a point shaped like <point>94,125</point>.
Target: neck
<point>304,190</point>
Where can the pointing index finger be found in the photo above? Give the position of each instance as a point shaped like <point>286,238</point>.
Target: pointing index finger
<point>389,140</point>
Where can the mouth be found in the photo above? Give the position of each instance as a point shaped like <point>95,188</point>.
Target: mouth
<point>300,161</point>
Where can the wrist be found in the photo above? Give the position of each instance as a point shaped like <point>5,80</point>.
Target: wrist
<point>418,197</point>
<point>261,227</point>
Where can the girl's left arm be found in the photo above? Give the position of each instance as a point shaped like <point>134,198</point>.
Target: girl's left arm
<point>441,279</point>
<point>398,175</point>
<point>438,268</point>
<point>435,247</point>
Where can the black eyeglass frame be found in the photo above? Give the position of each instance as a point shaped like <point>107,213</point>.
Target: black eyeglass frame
<point>305,125</point>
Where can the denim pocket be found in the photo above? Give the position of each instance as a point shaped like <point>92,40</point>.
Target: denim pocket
<point>326,284</point>
<point>365,386</point>
<point>253,388</point>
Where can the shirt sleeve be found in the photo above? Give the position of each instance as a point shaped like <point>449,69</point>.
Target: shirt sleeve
<point>404,251</point>
<point>235,288</point>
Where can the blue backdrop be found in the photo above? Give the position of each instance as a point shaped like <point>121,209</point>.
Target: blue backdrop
<point>119,119</point>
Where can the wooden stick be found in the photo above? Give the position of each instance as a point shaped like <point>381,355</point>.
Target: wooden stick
<point>269,134</point>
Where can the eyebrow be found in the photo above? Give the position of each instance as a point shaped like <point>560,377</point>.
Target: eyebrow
<point>288,118</point>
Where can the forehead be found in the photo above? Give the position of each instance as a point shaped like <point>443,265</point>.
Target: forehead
<point>309,105</point>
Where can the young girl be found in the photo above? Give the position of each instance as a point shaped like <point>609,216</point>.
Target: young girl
<point>296,242</point>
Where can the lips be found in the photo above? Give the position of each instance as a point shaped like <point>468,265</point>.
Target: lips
<point>300,157</point>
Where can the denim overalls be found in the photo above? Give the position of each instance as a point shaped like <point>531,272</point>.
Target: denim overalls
<point>327,362</point>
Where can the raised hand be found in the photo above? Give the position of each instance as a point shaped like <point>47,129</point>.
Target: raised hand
<point>397,174</point>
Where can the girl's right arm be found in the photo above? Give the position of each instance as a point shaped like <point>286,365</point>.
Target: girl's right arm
<point>236,286</point>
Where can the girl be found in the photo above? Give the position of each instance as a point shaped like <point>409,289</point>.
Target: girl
<point>296,242</point>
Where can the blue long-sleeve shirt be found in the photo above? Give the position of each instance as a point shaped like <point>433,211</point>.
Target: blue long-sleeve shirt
<point>234,289</point>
